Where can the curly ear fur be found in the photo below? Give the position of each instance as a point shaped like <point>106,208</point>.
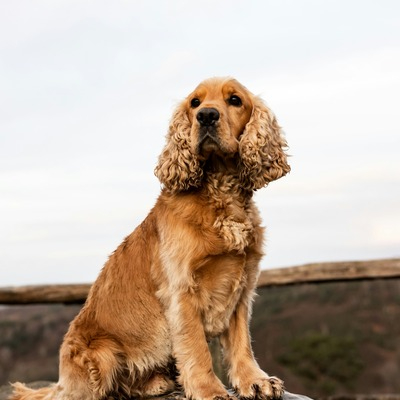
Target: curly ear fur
<point>178,169</point>
<point>261,148</point>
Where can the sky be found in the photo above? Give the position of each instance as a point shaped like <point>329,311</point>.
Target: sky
<point>87,89</point>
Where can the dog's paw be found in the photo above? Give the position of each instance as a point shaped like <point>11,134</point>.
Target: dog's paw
<point>269,387</point>
<point>211,395</point>
<point>221,396</point>
<point>158,385</point>
<point>225,397</point>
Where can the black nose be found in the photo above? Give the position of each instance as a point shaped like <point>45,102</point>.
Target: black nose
<point>207,116</point>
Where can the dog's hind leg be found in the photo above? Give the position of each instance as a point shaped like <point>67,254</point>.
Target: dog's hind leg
<point>89,370</point>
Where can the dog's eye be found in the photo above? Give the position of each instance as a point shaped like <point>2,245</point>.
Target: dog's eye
<point>235,101</point>
<point>195,102</point>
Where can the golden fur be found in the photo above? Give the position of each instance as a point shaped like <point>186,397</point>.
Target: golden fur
<point>188,272</point>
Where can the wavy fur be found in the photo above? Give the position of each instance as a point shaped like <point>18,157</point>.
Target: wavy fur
<point>262,149</point>
<point>177,169</point>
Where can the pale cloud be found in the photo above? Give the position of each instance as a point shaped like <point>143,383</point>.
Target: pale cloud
<point>87,90</point>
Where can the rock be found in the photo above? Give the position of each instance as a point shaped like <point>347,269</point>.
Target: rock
<point>292,396</point>
<point>5,392</point>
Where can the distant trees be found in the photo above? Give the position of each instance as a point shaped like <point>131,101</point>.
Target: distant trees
<point>323,361</point>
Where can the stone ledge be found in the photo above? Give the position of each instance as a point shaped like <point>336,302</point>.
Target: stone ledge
<point>5,392</point>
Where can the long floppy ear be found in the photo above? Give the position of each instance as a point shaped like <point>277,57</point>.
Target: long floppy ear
<point>262,149</point>
<point>178,168</point>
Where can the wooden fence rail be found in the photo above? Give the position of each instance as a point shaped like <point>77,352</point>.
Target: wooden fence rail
<point>310,273</point>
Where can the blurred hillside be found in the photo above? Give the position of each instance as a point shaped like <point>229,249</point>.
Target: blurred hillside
<point>322,339</point>
<point>331,338</point>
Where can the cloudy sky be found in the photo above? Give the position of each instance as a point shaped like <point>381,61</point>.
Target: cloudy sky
<point>87,89</point>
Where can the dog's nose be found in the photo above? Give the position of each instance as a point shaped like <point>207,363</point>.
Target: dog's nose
<point>207,116</point>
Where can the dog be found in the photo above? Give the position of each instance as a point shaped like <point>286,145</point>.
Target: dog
<point>188,273</point>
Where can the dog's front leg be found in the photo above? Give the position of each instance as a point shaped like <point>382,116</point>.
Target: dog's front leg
<point>191,352</point>
<point>246,377</point>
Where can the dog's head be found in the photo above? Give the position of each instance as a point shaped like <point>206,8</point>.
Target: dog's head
<point>218,111</point>
<point>222,120</point>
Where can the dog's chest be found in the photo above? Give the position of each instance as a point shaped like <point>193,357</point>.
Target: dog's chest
<point>234,215</point>
<point>224,277</point>
<point>219,286</point>
<point>222,304</point>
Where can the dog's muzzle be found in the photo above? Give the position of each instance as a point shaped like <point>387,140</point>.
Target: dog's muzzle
<point>208,130</point>
<point>207,116</point>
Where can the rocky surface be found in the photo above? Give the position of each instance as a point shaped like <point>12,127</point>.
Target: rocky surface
<point>5,392</point>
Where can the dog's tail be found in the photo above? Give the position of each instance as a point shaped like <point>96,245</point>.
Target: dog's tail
<point>22,392</point>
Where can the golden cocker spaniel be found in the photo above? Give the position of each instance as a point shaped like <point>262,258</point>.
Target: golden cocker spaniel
<point>189,271</point>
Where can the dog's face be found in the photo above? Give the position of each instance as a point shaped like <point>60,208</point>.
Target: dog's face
<point>222,127</point>
<point>218,111</point>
